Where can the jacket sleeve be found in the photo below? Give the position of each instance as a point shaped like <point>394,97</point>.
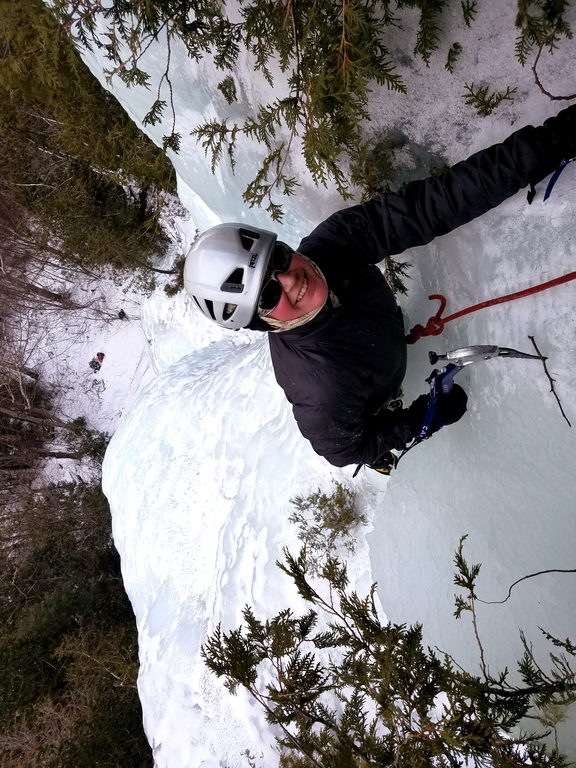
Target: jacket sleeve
<point>339,431</point>
<point>392,222</point>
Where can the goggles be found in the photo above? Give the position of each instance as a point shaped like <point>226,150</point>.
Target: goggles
<point>271,290</point>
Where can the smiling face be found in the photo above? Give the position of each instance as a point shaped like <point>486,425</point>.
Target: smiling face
<point>303,290</point>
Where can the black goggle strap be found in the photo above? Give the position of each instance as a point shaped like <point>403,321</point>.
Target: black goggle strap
<point>281,257</point>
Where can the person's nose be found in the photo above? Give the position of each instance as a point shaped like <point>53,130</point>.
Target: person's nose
<point>286,280</point>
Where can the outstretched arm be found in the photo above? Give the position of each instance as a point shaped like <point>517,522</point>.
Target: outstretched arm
<point>392,222</point>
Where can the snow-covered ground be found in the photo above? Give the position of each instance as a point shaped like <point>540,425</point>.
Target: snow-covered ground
<point>206,456</point>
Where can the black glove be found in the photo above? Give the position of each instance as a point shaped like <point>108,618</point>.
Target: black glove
<point>449,409</point>
<point>562,129</point>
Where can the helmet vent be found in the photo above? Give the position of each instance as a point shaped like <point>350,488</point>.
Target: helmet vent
<point>229,310</point>
<point>248,238</point>
<point>210,308</point>
<point>234,284</point>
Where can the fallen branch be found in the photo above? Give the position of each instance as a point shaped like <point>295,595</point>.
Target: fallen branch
<point>539,83</point>
<point>529,576</point>
<point>550,379</point>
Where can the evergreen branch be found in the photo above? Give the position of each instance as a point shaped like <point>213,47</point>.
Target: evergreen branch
<point>260,188</point>
<point>154,115</point>
<point>172,140</point>
<point>566,644</point>
<point>344,46</point>
<point>214,136</point>
<point>385,686</point>
<point>539,30</point>
<point>297,54</point>
<point>273,716</point>
<point>483,665</point>
<point>132,59</point>
<point>90,14</point>
<point>469,11</point>
<point>151,39</point>
<point>334,49</point>
<point>483,101</point>
<point>227,48</point>
<point>316,715</point>
<point>429,30</point>
<point>166,76</point>
<point>532,690</point>
<point>465,577</point>
<point>453,55</point>
<point>227,88</point>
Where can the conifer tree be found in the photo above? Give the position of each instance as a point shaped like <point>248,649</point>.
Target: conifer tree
<point>330,53</point>
<point>69,152</point>
<point>68,646</point>
<point>349,689</point>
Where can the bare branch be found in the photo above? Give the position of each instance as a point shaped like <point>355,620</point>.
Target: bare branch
<point>529,576</point>
<point>539,82</point>
<point>551,380</point>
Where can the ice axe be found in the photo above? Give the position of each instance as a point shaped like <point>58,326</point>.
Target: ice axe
<point>441,380</point>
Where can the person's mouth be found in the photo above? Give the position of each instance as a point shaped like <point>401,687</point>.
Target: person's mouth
<point>303,289</point>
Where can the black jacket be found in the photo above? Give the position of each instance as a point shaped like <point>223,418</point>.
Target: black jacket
<point>341,367</point>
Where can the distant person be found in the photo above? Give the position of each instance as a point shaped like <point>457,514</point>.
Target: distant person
<point>336,334</point>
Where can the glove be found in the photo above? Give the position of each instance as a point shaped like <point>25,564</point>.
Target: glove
<point>452,407</point>
<point>562,129</point>
<point>449,409</point>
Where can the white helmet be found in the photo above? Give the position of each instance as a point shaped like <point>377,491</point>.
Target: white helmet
<point>224,272</point>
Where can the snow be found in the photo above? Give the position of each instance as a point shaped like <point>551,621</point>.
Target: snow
<point>206,456</point>
<point>62,344</point>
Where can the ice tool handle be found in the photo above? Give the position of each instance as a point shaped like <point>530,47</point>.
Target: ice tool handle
<point>441,383</point>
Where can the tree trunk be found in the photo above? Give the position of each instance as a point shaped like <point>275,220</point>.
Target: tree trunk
<point>44,418</point>
<point>19,369</point>
<point>59,454</point>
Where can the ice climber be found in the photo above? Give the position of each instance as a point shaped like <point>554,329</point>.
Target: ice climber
<point>335,331</point>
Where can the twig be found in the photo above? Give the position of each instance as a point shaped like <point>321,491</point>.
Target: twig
<point>539,83</point>
<point>529,576</point>
<point>166,75</point>
<point>550,379</point>
<point>483,665</point>
<point>97,661</point>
